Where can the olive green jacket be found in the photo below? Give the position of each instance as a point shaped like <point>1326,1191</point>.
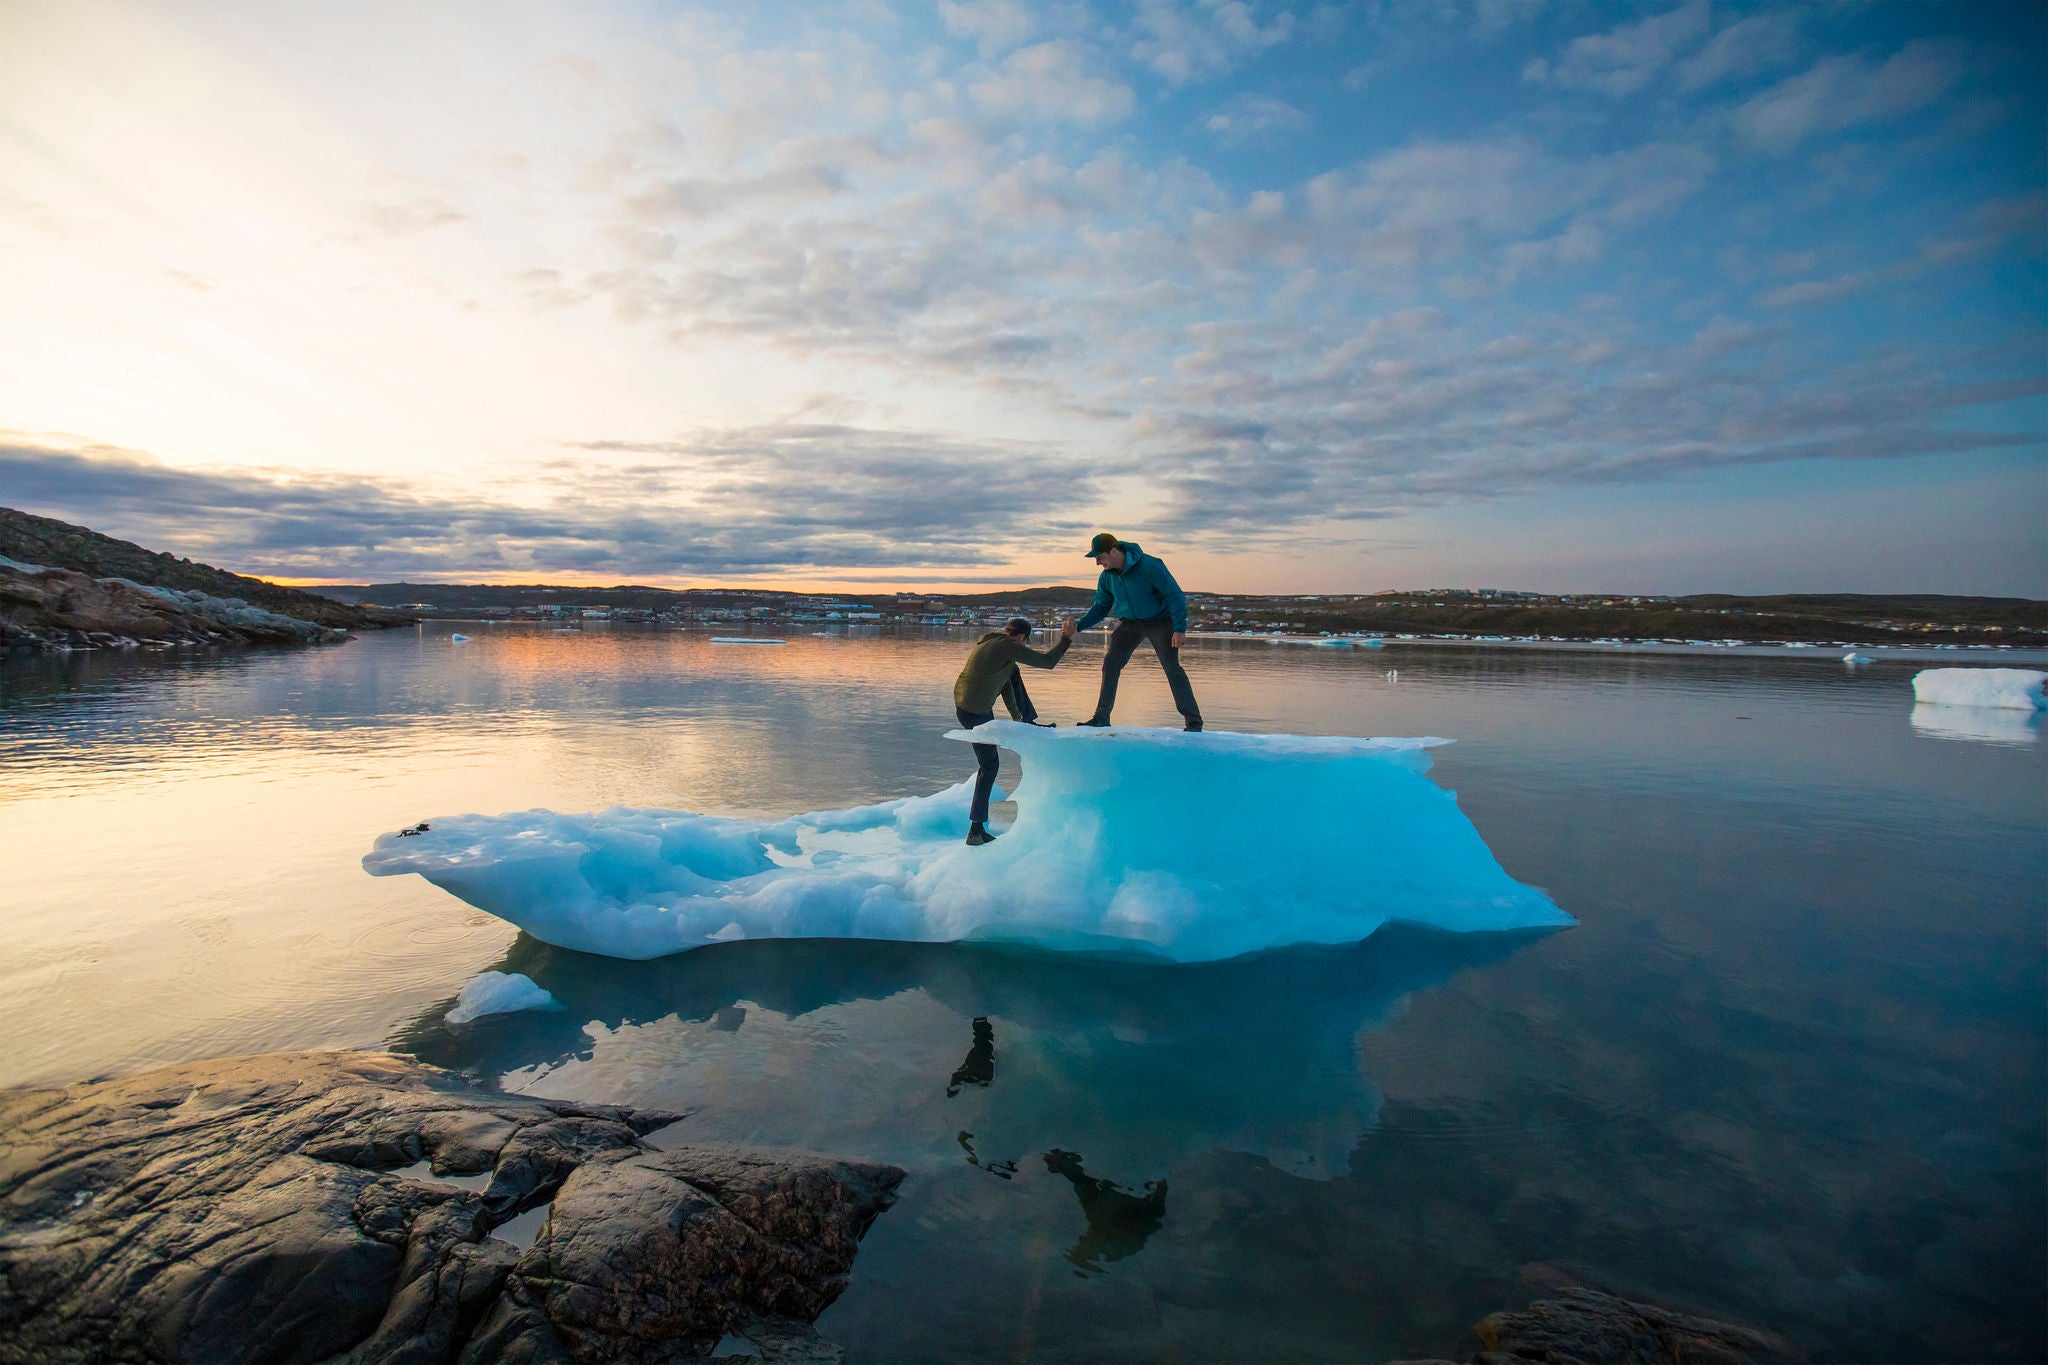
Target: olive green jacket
<point>989,667</point>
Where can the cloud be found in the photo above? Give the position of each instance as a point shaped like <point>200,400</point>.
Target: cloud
<point>1185,42</point>
<point>1054,81</point>
<point>1253,118</point>
<point>1239,452</point>
<point>1841,92</point>
<point>996,25</point>
<point>1749,45</point>
<point>1625,59</point>
<point>754,500</point>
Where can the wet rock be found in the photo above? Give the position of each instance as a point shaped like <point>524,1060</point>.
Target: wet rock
<point>260,1208</point>
<point>1581,1326</point>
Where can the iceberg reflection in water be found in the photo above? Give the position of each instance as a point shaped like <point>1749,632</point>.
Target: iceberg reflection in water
<point>1193,847</point>
<point>894,1051</point>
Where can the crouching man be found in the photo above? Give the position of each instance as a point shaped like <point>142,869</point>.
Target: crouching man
<point>991,672</point>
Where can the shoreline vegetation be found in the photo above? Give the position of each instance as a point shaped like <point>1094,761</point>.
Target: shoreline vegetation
<point>65,588</point>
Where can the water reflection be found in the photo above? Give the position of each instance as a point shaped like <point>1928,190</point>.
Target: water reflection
<point>1118,1220</point>
<point>1137,1064</point>
<point>980,1066</point>
<point>1978,724</point>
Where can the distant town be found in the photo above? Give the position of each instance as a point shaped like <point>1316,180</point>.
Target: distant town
<point>1438,613</point>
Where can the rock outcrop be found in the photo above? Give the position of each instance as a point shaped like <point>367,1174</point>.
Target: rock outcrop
<point>277,1208</point>
<point>31,539</point>
<point>48,609</point>
<point>1576,1325</point>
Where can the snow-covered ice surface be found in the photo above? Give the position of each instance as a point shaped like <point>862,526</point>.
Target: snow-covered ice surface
<point>2017,689</point>
<point>498,993</point>
<point>1193,847</point>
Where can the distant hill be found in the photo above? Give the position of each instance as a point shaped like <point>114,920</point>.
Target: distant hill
<point>57,544</point>
<point>476,596</point>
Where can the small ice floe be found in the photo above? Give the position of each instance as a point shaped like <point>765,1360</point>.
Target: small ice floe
<point>1857,659</point>
<point>2011,689</point>
<point>458,638</point>
<point>1393,675</point>
<point>745,640</point>
<point>499,993</point>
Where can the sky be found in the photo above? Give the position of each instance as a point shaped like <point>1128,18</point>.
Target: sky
<point>853,296</point>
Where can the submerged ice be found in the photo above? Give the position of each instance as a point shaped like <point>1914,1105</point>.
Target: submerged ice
<point>1193,847</point>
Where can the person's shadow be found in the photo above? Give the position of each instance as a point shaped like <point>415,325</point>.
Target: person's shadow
<point>1118,1220</point>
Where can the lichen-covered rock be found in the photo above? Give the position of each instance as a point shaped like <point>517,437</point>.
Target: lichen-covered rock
<point>258,1208</point>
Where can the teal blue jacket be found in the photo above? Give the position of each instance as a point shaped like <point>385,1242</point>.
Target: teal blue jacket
<point>1144,591</point>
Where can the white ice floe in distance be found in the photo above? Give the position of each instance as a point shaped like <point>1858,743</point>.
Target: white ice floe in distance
<point>745,640</point>
<point>458,638</point>
<point>498,993</point>
<point>2017,689</point>
<point>1192,847</point>
<point>1857,659</point>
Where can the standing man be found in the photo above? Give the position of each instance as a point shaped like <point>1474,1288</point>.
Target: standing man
<point>991,672</point>
<point>1148,605</point>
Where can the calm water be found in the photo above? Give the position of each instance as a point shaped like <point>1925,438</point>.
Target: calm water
<point>1791,1067</point>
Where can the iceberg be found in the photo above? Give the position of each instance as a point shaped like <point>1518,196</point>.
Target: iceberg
<point>498,993</point>
<point>2017,689</point>
<point>1185,847</point>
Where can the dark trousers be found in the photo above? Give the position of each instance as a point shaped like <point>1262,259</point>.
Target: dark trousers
<point>985,755</point>
<point>1123,642</point>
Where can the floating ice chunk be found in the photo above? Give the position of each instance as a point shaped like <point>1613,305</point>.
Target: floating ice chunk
<point>458,638</point>
<point>1186,846</point>
<point>498,993</point>
<point>2017,689</point>
<point>1856,659</point>
<point>745,640</point>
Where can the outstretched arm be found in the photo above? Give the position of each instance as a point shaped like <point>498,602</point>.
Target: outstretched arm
<point>1099,608</point>
<point>1042,658</point>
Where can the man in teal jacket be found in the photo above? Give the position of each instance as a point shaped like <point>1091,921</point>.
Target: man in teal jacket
<point>1137,589</point>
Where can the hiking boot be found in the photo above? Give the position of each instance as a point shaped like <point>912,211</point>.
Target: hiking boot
<point>1042,724</point>
<point>1192,727</point>
<point>1097,722</point>
<point>977,835</point>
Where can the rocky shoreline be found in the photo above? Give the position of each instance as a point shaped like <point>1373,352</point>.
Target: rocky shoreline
<point>58,611</point>
<point>357,1206</point>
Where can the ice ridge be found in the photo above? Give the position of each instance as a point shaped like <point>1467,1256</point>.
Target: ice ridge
<point>1193,847</point>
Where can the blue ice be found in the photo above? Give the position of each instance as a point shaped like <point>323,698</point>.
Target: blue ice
<point>1192,847</point>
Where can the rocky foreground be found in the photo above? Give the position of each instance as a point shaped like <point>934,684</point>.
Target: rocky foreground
<point>262,1208</point>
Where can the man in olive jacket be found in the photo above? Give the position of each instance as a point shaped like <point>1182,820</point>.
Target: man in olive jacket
<point>1137,589</point>
<point>991,672</point>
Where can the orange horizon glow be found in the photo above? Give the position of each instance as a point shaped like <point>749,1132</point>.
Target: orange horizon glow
<point>810,586</point>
